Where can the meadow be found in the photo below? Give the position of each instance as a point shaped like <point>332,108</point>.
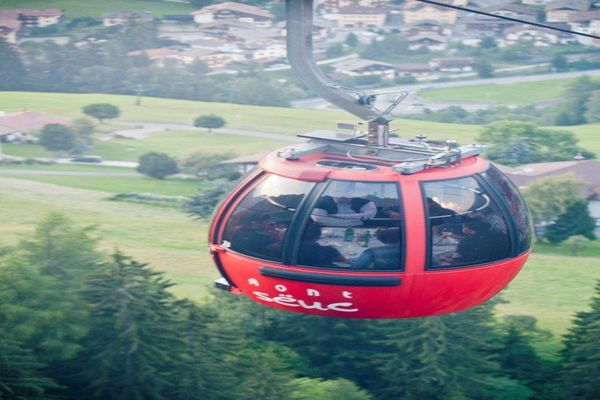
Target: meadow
<point>519,94</point>
<point>263,119</point>
<point>95,9</point>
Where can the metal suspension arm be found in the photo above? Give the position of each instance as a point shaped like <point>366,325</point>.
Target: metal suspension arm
<point>300,55</point>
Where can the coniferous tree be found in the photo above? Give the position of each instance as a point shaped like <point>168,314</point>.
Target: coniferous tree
<point>41,279</point>
<point>519,359</point>
<point>581,365</point>
<point>453,356</point>
<point>576,220</point>
<point>21,376</point>
<point>133,343</point>
<point>210,349</point>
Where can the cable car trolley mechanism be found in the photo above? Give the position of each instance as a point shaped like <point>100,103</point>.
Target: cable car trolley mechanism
<point>364,225</point>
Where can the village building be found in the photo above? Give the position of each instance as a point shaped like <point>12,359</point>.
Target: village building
<point>235,11</point>
<point>430,40</point>
<point>33,17</point>
<point>586,22</point>
<point>418,71</point>
<point>271,50</point>
<point>9,30</point>
<point>359,17</point>
<point>123,18</point>
<point>19,126</point>
<point>452,64</point>
<point>335,5</point>
<point>561,10</point>
<point>539,37</point>
<point>417,11</point>
<point>426,26</point>
<point>373,3</point>
<point>515,11</point>
<point>362,67</point>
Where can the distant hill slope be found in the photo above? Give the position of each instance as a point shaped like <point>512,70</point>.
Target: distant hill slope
<point>266,119</point>
<point>87,8</point>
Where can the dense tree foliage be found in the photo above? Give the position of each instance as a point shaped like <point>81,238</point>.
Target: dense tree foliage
<point>576,220</point>
<point>157,165</point>
<point>57,137</point>
<point>549,197</point>
<point>102,111</point>
<point>208,165</point>
<point>12,69</point>
<point>579,94</point>
<point>582,347</point>
<point>209,121</point>
<point>105,65</point>
<point>203,205</point>
<point>78,324</point>
<point>515,143</point>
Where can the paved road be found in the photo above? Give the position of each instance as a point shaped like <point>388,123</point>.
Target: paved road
<point>413,102</point>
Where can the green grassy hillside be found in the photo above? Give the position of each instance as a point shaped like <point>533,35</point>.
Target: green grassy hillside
<point>523,93</point>
<point>268,119</point>
<point>91,8</point>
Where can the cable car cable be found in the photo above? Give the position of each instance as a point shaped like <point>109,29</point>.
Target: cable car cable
<point>437,3</point>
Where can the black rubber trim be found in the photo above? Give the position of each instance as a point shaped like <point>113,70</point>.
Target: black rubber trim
<point>221,269</point>
<point>327,279</point>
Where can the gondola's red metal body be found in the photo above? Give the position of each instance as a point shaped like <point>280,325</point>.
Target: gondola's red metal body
<point>415,290</point>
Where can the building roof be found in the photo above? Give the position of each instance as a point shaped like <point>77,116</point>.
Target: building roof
<point>362,10</point>
<point>11,24</point>
<point>433,36</point>
<point>453,61</point>
<point>587,171</point>
<point>585,16</point>
<point>358,63</point>
<point>576,5</point>
<point>418,6</point>
<point>413,67</point>
<point>28,121</point>
<point>153,53</point>
<point>233,6</point>
<point>515,8</point>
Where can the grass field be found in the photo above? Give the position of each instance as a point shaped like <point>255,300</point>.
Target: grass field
<point>168,239</point>
<point>180,144</point>
<point>524,93</point>
<point>108,184</point>
<point>551,287</point>
<point>90,8</point>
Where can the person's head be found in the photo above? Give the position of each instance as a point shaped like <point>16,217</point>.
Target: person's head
<point>259,221</point>
<point>389,236</point>
<point>312,232</point>
<point>475,227</point>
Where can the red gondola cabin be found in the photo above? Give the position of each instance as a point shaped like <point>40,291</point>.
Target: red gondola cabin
<point>338,228</point>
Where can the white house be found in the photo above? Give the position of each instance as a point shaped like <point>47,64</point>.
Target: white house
<point>233,10</point>
<point>362,67</point>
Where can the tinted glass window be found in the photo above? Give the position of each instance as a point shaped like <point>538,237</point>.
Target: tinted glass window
<point>259,224</point>
<point>516,206</point>
<point>466,227</point>
<point>355,225</point>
